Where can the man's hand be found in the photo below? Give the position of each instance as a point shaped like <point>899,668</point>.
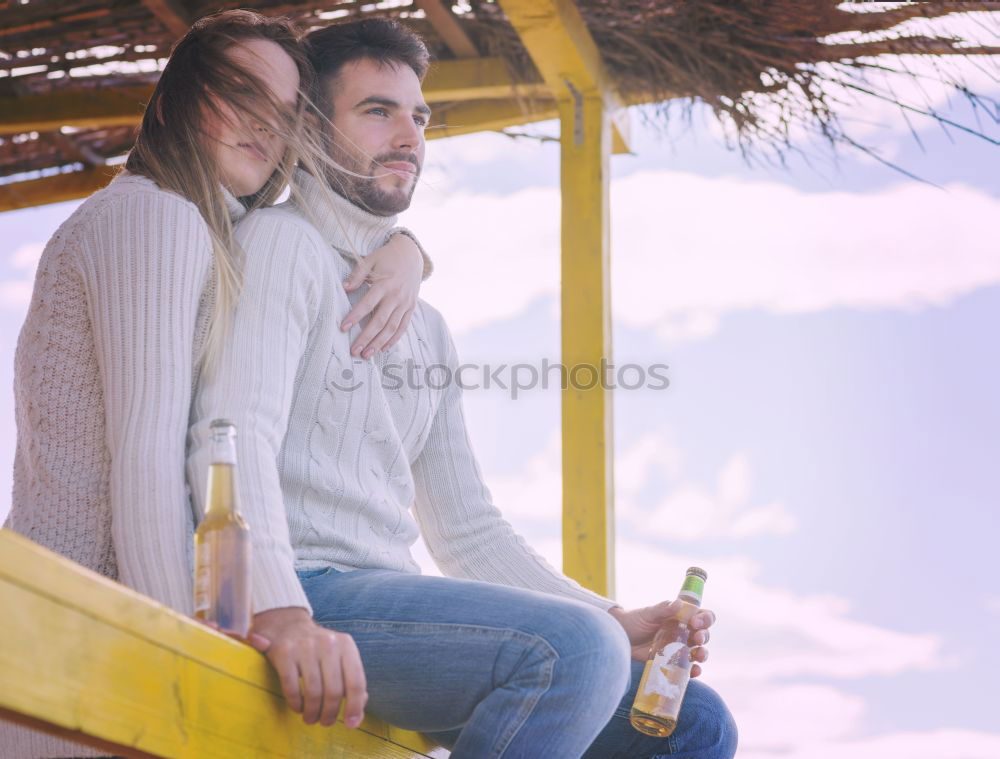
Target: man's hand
<point>395,271</point>
<point>641,626</point>
<point>327,663</point>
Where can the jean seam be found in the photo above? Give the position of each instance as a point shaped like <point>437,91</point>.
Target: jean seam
<point>374,624</point>
<point>503,632</point>
<point>529,704</point>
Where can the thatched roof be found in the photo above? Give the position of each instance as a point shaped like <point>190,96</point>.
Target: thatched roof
<point>764,66</point>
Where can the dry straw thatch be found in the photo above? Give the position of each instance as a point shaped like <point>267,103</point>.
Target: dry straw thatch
<point>771,70</point>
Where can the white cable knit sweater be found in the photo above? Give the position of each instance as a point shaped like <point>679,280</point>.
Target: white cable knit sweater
<point>340,465</point>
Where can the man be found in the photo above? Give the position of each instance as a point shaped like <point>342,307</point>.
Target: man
<point>504,656</point>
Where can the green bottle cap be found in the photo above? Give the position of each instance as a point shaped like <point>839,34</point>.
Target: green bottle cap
<point>694,585</point>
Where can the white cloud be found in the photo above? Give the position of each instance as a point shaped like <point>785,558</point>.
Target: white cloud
<point>689,250</point>
<point>15,293</point>
<point>687,511</point>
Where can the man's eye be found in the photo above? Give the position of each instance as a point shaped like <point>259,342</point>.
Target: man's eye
<point>379,111</point>
<point>421,120</point>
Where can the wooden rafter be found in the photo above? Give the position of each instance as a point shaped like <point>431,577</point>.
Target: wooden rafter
<point>171,13</point>
<point>451,32</point>
<point>460,80</point>
<point>565,54</point>
<point>459,118</point>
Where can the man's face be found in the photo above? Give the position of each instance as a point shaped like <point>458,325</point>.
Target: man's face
<point>379,115</point>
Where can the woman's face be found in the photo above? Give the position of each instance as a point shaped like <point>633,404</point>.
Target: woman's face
<point>248,152</point>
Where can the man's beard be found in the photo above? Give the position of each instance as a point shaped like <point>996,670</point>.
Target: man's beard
<point>363,191</point>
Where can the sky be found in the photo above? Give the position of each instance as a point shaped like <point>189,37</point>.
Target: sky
<point>827,446</point>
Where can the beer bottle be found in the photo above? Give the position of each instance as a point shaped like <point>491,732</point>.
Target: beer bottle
<point>668,669</point>
<point>222,542</point>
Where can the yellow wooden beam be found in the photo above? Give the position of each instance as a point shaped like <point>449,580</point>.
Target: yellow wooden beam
<point>466,118</point>
<point>109,106</point>
<point>565,54</point>
<point>86,658</point>
<point>477,79</point>
<point>460,80</point>
<point>54,189</point>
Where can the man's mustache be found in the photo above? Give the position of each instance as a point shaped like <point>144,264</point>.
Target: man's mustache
<point>385,158</point>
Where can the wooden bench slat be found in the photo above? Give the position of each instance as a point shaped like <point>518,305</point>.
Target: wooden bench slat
<point>85,657</point>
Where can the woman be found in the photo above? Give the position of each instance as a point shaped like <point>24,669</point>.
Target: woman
<point>132,299</point>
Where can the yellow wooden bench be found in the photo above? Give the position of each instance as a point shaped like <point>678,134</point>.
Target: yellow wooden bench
<point>88,659</point>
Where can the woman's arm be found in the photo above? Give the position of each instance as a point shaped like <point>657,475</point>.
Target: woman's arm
<point>144,271</point>
<point>395,271</point>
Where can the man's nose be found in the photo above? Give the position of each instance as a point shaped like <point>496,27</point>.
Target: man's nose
<point>407,135</point>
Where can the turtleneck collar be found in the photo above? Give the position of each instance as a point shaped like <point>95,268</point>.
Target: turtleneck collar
<point>236,209</point>
<point>347,227</point>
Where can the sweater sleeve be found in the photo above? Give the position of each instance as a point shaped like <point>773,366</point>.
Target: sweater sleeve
<point>428,264</point>
<point>144,273</point>
<point>465,532</point>
<point>252,385</point>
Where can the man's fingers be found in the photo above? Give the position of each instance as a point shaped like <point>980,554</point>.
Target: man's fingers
<point>699,638</point>
<point>312,686</point>
<point>288,674</point>
<point>695,670</point>
<point>699,654</point>
<point>355,684</point>
<point>259,642</point>
<point>703,619</point>
<point>333,678</point>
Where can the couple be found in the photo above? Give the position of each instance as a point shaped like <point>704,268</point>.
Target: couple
<point>179,294</point>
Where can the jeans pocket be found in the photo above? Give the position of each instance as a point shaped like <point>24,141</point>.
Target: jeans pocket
<point>312,574</point>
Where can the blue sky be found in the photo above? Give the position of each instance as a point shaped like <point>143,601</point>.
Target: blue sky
<point>827,447</point>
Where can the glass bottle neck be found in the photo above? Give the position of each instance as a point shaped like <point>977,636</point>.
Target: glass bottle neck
<point>692,589</point>
<point>222,471</point>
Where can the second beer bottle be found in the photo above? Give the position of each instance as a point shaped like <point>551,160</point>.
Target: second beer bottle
<point>222,542</point>
<point>668,669</point>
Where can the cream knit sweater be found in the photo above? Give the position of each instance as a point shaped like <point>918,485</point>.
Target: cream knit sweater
<point>339,462</point>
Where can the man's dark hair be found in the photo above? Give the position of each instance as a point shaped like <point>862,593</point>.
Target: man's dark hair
<point>383,40</point>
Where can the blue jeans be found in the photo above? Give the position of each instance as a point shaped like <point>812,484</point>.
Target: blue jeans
<point>494,671</point>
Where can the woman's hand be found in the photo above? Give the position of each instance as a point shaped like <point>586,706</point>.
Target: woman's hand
<point>642,624</point>
<point>395,271</point>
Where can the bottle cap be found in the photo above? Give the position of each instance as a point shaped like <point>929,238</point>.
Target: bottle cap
<point>220,423</point>
<point>698,571</point>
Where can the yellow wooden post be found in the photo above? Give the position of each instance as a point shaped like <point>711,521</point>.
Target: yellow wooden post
<point>587,430</point>
<point>593,121</point>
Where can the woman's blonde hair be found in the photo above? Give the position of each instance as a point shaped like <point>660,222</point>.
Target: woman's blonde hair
<point>173,147</point>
